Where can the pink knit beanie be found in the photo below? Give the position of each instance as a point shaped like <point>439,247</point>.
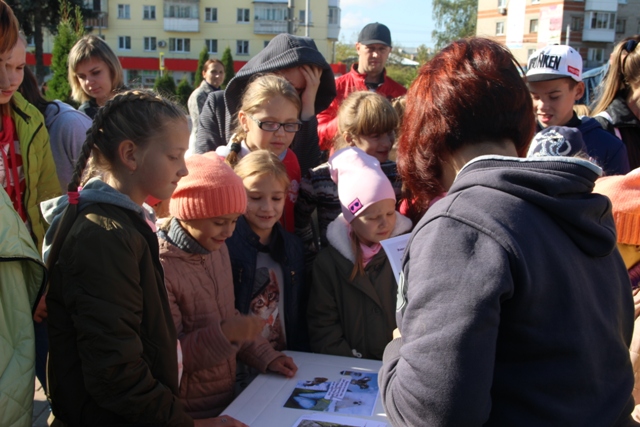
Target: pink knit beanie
<point>211,189</point>
<point>360,181</point>
<point>624,193</point>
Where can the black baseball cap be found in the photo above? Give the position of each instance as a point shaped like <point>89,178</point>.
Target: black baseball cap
<point>375,33</point>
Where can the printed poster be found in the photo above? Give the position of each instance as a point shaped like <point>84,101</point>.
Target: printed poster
<point>353,392</point>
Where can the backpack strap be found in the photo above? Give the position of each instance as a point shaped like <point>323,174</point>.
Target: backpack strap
<point>607,116</point>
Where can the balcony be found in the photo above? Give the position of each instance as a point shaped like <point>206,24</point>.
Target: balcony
<point>601,5</point>
<point>100,22</point>
<point>270,17</point>
<point>598,35</point>
<point>264,26</point>
<point>186,25</point>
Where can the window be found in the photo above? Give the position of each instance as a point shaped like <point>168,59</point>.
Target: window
<point>124,42</point>
<point>270,14</point>
<point>577,23</point>
<point>211,14</point>
<point>334,16</point>
<point>95,6</point>
<point>602,20</point>
<point>31,41</point>
<point>530,52</point>
<point>535,1</point>
<point>595,54</point>
<point>179,45</point>
<point>124,11</point>
<point>303,16</point>
<point>176,11</point>
<point>149,12</point>
<point>500,28</point>
<point>242,47</point>
<point>533,26</point>
<point>502,3</point>
<point>212,45</point>
<point>265,44</point>
<point>149,43</point>
<point>243,15</point>
<point>621,25</point>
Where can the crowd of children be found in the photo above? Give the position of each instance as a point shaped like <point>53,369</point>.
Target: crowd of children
<point>160,317</point>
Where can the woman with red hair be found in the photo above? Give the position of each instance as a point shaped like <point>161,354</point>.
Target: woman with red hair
<point>514,306</point>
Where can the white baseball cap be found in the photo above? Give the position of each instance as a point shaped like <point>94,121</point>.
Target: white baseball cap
<point>555,62</point>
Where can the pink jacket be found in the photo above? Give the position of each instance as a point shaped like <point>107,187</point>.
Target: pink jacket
<point>200,289</point>
<point>345,85</point>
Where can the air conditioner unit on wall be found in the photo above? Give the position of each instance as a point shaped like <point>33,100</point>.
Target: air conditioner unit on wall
<point>502,10</point>
<point>162,43</point>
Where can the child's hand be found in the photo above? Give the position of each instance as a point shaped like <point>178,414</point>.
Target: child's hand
<point>283,365</point>
<point>311,75</point>
<point>221,421</point>
<point>242,328</point>
<point>41,310</point>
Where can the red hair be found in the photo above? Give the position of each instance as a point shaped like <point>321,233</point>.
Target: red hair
<point>470,92</point>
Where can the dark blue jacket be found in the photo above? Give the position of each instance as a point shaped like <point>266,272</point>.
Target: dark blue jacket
<point>287,250</point>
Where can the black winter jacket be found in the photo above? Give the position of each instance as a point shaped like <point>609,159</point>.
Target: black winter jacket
<point>627,123</point>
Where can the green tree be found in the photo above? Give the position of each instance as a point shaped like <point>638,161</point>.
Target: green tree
<point>227,60</point>
<point>165,85</point>
<point>35,16</point>
<point>403,74</point>
<point>423,54</point>
<point>455,19</point>
<point>345,51</point>
<point>183,91</point>
<point>204,57</point>
<point>70,29</point>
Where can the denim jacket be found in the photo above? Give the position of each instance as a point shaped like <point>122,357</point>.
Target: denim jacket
<point>286,249</point>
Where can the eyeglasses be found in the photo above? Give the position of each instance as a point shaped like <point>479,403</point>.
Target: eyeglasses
<point>274,126</point>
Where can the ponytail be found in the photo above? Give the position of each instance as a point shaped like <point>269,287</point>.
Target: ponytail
<point>358,265</point>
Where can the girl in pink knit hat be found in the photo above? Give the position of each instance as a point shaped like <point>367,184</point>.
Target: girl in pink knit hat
<point>205,207</point>
<point>353,288</point>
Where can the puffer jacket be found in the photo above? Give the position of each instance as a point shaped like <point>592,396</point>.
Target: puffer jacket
<point>22,277</point>
<point>200,289</point>
<point>38,163</point>
<point>352,318</point>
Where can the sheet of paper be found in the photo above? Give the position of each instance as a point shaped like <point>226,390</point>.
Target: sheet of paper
<point>329,420</point>
<point>351,392</point>
<point>394,247</point>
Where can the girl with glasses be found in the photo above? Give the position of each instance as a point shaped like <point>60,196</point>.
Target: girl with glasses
<point>268,119</point>
<point>618,110</point>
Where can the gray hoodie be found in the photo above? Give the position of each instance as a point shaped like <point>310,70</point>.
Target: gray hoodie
<point>67,131</point>
<point>517,307</point>
<point>96,191</point>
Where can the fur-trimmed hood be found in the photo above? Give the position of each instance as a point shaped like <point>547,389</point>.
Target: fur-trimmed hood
<point>338,234</point>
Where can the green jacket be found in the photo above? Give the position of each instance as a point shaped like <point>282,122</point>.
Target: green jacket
<point>22,276</point>
<point>352,318</point>
<point>38,164</point>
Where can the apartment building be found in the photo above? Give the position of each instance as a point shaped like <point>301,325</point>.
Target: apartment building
<point>150,35</point>
<point>590,26</point>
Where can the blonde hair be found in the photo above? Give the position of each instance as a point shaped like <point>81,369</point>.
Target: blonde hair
<point>86,48</point>
<point>262,162</point>
<point>624,72</point>
<point>260,90</point>
<point>581,110</point>
<point>365,113</point>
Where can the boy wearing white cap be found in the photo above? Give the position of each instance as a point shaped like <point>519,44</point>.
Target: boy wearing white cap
<point>554,77</point>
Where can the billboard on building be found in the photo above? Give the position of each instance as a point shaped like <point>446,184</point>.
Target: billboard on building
<point>550,25</point>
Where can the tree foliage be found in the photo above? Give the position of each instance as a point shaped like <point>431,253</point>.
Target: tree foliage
<point>35,16</point>
<point>204,57</point>
<point>165,85</point>
<point>70,29</point>
<point>183,91</point>
<point>423,54</point>
<point>402,74</point>
<point>455,19</point>
<point>345,51</point>
<point>227,60</point>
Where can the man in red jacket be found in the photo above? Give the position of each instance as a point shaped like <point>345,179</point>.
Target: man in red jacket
<point>373,47</point>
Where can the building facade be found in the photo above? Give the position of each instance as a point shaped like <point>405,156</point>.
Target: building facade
<point>150,35</point>
<point>590,26</point>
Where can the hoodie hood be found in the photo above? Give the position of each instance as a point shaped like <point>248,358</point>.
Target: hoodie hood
<point>96,191</point>
<point>561,187</point>
<point>283,51</point>
<point>55,110</point>
<point>338,234</point>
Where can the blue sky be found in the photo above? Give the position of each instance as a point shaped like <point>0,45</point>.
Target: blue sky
<point>410,21</point>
